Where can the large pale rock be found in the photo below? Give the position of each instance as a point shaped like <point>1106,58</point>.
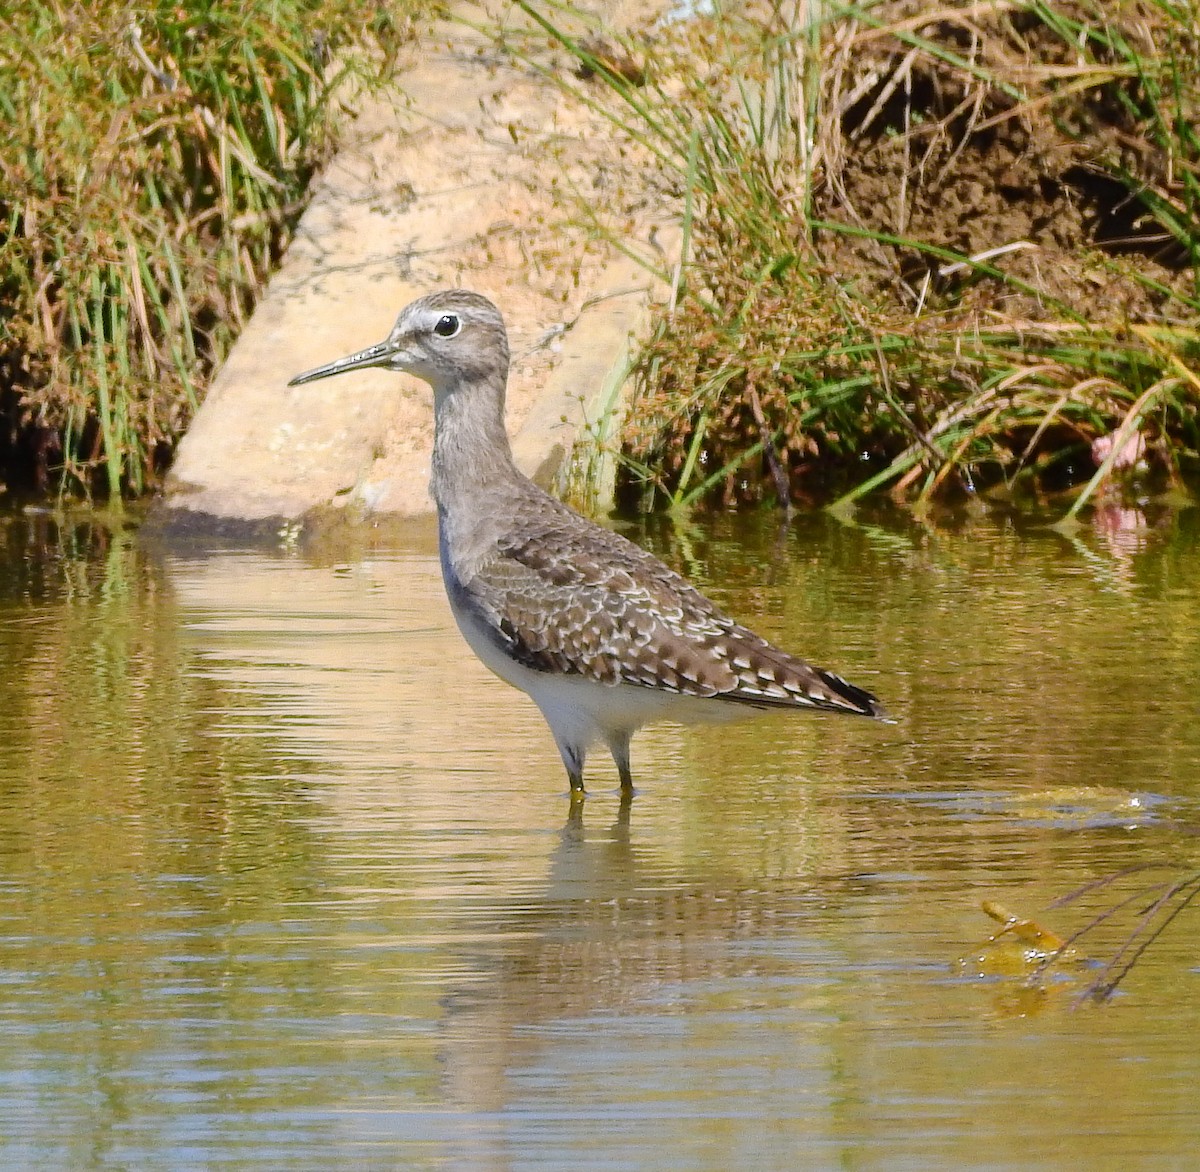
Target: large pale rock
<point>445,183</point>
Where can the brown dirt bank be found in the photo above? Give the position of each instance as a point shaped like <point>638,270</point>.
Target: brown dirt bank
<point>982,228</point>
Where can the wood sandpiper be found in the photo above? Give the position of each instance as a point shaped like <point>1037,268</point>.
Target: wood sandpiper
<point>602,636</point>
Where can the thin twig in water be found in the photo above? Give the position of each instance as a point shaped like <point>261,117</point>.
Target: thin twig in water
<point>1104,985</point>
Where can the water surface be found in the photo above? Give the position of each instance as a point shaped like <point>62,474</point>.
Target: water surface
<point>287,880</point>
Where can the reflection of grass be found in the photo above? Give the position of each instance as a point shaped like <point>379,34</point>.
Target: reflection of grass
<point>845,342</point>
<point>152,162</point>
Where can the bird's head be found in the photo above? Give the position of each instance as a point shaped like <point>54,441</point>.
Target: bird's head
<point>448,339</point>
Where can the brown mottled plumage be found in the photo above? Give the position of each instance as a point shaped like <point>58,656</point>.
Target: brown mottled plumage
<point>600,633</point>
<point>589,602</point>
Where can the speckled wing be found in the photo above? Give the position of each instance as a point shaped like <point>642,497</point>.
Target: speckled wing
<point>577,599</point>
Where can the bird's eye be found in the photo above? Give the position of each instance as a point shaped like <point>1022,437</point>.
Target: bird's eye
<point>447,325</point>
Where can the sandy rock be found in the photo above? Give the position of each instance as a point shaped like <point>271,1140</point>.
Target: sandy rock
<point>443,182</point>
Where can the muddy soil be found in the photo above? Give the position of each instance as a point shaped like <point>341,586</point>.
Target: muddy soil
<point>993,170</point>
<point>933,153</point>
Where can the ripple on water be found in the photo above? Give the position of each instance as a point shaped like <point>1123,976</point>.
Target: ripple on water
<point>286,878</point>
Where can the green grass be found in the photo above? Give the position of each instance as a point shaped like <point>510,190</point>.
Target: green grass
<point>935,254</point>
<point>153,159</point>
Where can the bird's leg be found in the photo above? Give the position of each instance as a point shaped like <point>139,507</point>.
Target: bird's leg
<point>618,746</point>
<point>573,830</point>
<point>573,757</point>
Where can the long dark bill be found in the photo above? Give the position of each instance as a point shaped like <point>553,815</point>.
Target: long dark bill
<point>376,355</point>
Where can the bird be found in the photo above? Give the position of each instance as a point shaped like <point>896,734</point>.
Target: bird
<point>602,635</point>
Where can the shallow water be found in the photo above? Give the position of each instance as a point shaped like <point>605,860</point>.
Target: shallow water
<point>288,881</point>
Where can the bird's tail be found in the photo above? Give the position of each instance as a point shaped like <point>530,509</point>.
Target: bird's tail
<point>856,699</point>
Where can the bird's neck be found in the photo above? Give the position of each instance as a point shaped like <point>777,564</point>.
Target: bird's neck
<point>471,453</point>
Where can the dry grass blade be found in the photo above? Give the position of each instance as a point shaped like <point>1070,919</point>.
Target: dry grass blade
<point>151,166</point>
<point>1159,905</point>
